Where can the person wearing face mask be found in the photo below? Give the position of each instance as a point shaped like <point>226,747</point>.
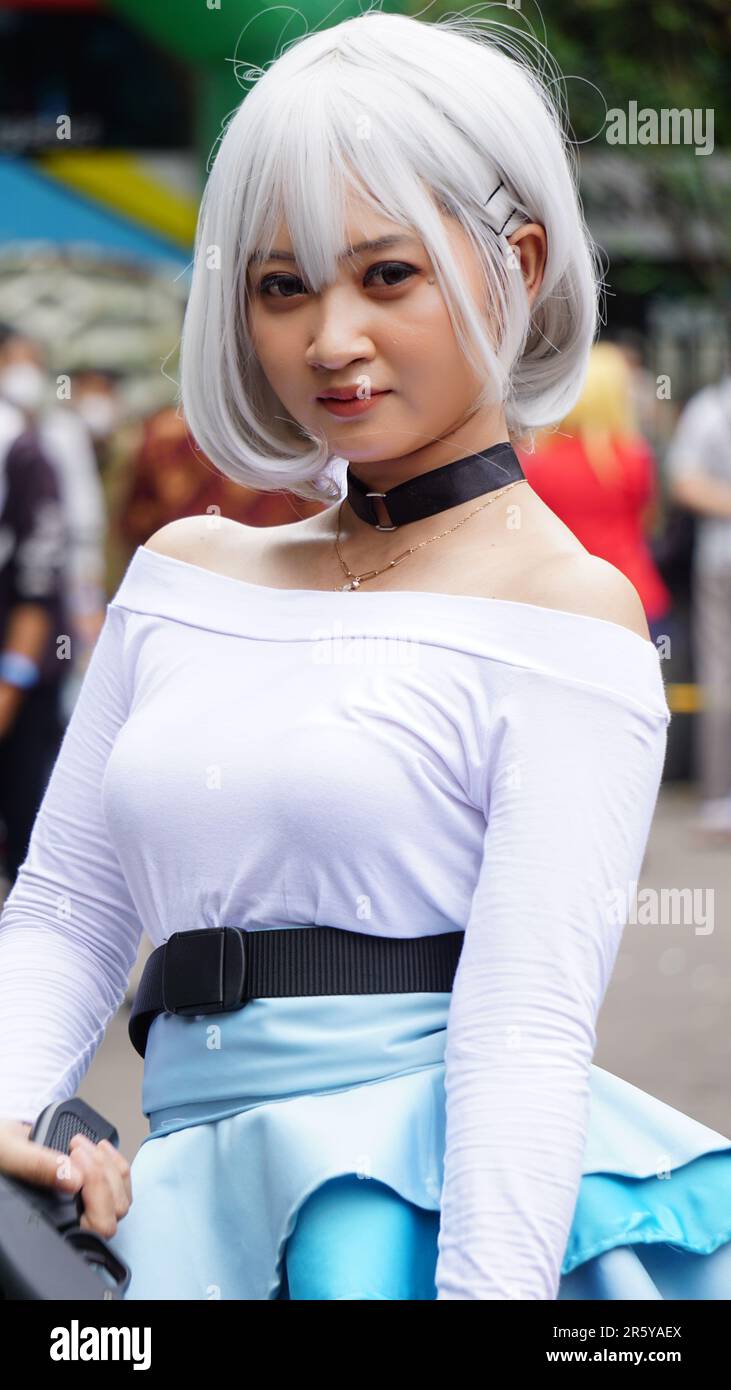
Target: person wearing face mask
<point>32,610</point>
<point>96,400</point>
<point>23,379</point>
<point>65,439</point>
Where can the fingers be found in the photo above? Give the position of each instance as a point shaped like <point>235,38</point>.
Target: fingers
<point>106,1187</point>
<point>101,1173</point>
<point>34,1163</point>
<point>122,1166</point>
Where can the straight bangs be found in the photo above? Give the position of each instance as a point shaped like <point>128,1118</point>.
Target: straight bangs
<point>457,128</point>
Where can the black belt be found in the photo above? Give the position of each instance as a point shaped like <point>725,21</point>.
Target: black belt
<point>216,969</point>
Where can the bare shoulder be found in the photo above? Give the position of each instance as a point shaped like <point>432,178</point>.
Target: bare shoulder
<point>201,540</point>
<point>585,584</point>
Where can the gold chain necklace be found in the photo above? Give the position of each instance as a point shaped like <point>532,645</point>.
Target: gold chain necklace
<point>357,579</point>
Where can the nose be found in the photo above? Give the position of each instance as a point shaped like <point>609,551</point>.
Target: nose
<point>338,335</point>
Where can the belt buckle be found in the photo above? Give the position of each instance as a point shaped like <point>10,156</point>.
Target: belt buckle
<point>203,971</point>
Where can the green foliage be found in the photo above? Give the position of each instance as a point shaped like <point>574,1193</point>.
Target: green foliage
<point>658,53</point>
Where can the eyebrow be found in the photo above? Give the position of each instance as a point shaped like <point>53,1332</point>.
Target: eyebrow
<point>378,245</point>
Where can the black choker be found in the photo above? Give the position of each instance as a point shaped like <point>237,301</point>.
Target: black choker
<point>438,490</point>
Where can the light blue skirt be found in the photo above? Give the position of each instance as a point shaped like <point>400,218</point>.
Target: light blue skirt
<point>251,1112</point>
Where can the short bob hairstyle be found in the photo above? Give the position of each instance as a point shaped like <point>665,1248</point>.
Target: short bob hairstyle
<point>416,118</point>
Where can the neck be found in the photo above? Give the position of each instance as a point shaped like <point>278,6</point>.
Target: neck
<point>383,475</point>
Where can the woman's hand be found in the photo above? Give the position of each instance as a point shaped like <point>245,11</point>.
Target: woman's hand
<point>98,1170</point>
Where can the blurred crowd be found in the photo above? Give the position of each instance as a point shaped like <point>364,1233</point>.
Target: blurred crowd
<point>83,483</point>
<point>648,488</point>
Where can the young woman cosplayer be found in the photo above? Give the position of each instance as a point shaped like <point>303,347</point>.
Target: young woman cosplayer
<point>378,783</point>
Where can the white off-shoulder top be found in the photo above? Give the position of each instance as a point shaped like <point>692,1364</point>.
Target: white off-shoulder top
<point>400,763</point>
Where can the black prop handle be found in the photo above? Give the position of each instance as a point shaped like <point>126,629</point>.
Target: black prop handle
<point>55,1127</point>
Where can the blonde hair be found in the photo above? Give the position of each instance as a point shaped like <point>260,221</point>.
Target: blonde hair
<point>605,412</point>
<point>416,118</point>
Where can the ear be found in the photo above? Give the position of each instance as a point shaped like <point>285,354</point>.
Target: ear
<point>531,249</point>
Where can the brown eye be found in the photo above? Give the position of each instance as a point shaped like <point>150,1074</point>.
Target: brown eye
<point>286,283</point>
<point>280,285</point>
<point>390,268</point>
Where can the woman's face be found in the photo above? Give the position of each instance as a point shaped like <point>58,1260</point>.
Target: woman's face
<point>381,327</point>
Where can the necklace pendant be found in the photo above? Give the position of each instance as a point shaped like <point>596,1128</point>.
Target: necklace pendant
<point>352,584</point>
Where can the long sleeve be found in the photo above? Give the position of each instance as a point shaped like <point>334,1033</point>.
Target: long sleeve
<point>69,930</point>
<point>571,777</point>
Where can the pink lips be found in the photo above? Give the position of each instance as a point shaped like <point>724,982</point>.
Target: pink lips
<point>344,409</point>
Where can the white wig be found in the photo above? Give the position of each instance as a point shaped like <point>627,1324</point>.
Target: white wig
<point>415,118</point>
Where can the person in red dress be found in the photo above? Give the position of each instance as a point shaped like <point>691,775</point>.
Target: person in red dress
<point>599,475</point>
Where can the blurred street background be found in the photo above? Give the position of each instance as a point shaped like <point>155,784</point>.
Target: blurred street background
<point>110,111</point>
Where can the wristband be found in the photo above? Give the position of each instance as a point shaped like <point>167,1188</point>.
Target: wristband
<point>17,669</point>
